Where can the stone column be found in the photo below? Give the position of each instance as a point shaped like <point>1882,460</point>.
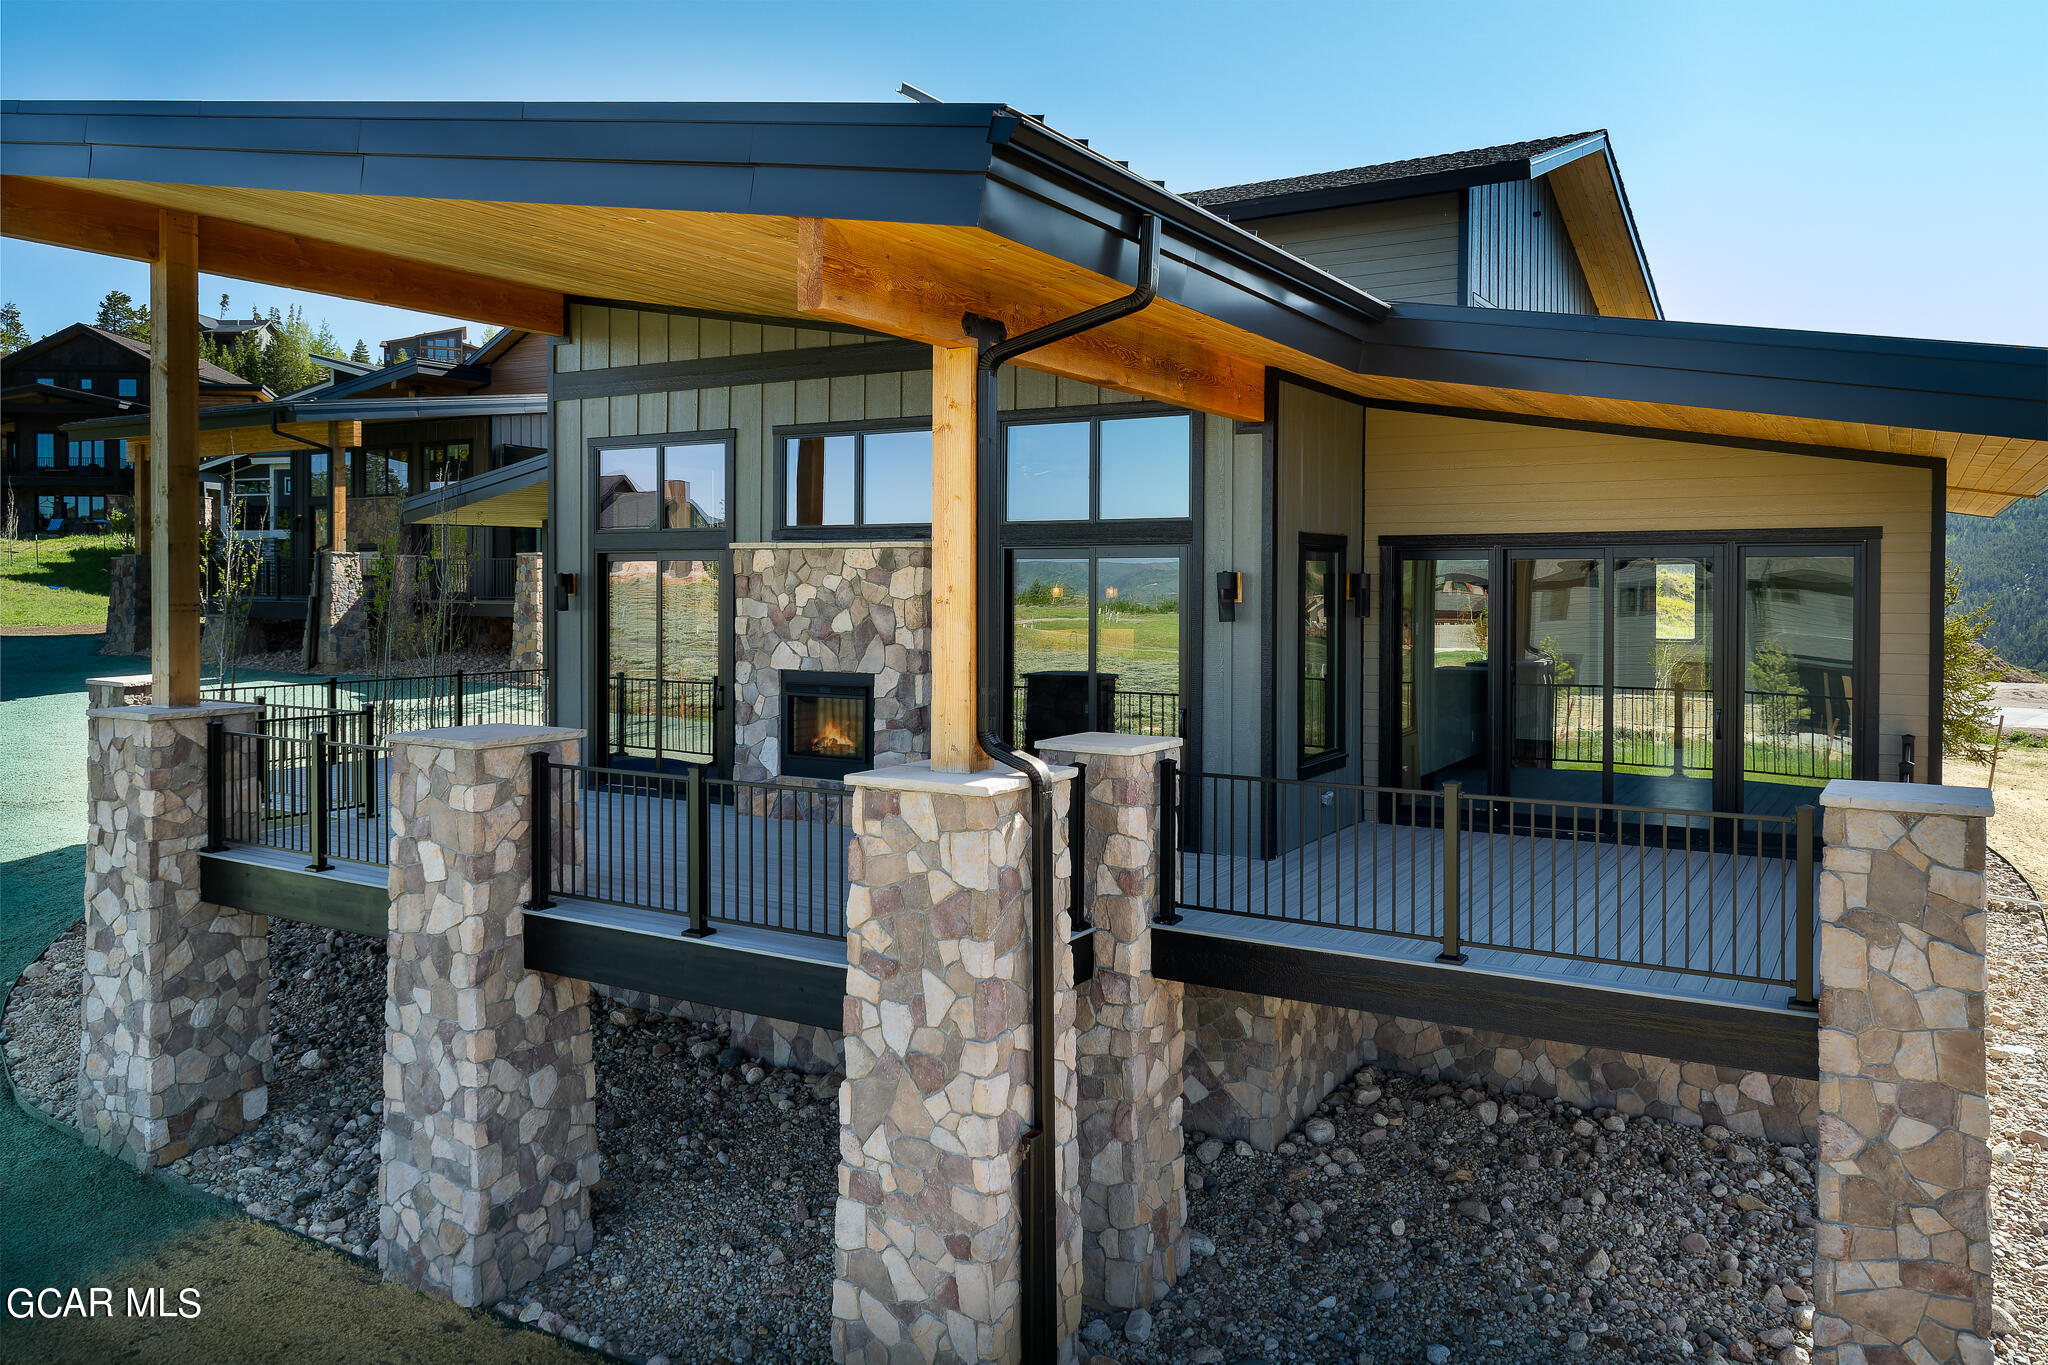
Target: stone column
<point>1131,1044</point>
<point>1903,1251</point>
<point>176,1001</point>
<point>529,612</point>
<point>490,1108</point>
<point>938,1070</point>
<point>127,605</point>
<point>345,612</point>
<point>127,689</point>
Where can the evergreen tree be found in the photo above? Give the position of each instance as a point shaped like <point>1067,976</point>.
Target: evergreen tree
<point>122,314</point>
<point>13,336</point>
<point>1968,668</point>
<point>1777,696</point>
<point>361,354</point>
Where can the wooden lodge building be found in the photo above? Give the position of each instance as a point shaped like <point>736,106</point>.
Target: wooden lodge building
<point>1009,624</point>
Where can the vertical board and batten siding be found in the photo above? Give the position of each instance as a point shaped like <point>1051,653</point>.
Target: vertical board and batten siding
<point>1435,475</point>
<point>1229,686</point>
<point>1518,252</point>
<point>1319,487</point>
<point>603,338</point>
<point>1403,249</point>
<point>520,429</point>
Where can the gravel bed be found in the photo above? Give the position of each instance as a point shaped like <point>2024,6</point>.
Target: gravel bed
<point>2016,1019</point>
<point>713,1220</point>
<point>1419,1221</point>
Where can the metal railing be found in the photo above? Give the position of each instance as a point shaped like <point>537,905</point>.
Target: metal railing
<point>1131,713</point>
<point>297,788</point>
<point>1672,730</point>
<point>665,717</point>
<point>491,579</point>
<point>1700,893</point>
<point>705,850</point>
<point>514,696</point>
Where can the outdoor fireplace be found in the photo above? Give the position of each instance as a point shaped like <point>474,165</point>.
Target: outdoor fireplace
<point>828,723</point>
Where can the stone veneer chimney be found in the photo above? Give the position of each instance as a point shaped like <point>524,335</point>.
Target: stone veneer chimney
<point>832,607</point>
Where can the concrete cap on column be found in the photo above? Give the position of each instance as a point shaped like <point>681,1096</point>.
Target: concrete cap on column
<point>486,736</point>
<point>1103,742</point>
<point>123,680</point>
<point>921,777</point>
<point>205,710</point>
<point>1908,798</point>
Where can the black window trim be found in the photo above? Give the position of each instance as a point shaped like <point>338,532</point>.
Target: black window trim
<point>1101,530</point>
<point>618,539</point>
<point>841,530</point>
<point>1093,553</point>
<point>1338,755</point>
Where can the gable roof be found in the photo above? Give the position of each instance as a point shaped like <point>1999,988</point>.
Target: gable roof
<point>1475,166</point>
<point>210,375</point>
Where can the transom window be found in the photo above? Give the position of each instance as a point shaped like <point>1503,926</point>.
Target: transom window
<point>663,486</point>
<point>1132,468</point>
<point>857,478</point>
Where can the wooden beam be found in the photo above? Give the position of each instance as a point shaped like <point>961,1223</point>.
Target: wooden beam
<point>62,215</point>
<point>174,460</point>
<point>956,746</point>
<point>337,489</point>
<point>918,283</point>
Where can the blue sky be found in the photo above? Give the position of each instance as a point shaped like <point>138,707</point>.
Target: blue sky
<point>1860,167</point>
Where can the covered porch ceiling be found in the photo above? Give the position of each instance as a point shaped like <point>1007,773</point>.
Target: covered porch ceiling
<point>903,219</point>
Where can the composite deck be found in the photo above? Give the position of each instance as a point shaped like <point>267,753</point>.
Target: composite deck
<point>1650,919</point>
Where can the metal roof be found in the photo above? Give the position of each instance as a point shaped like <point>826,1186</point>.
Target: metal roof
<point>322,407</point>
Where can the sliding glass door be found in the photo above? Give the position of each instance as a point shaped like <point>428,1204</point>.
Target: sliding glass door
<point>1688,677</point>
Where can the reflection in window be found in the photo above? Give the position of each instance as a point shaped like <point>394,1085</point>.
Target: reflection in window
<point>865,478</point>
<point>629,487</point>
<point>1048,471</point>
<point>1445,622</point>
<point>1799,683</point>
<point>386,473</point>
<point>1321,577</point>
<point>821,480</point>
<point>693,486</point>
<point>1145,467</point>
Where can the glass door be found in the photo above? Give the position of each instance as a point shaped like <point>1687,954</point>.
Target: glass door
<point>1557,677</point>
<point>1445,730</point>
<point>1798,658</point>
<point>664,630</point>
<point>1095,643</point>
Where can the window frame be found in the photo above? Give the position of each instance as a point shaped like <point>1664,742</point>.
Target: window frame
<point>1094,529</point>
<point>1334,550</point>
<point>618,540</point>
<point>840,530</point>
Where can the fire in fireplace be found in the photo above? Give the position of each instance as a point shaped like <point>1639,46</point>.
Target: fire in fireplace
<point>828,723</point>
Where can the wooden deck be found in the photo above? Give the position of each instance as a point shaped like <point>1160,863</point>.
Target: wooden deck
<point>1654,920</point>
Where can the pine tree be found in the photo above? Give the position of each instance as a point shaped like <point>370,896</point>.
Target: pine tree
<point>122,314</point>
<point>361,354</point>
<point>1968,670</point>
<point>13,336</point>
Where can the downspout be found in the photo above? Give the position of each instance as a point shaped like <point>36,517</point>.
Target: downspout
<point>1041,1250</point>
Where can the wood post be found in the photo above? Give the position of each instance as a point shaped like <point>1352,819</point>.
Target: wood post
<point>337,489</point>
<point>174,460</point>
<point>955,745</point>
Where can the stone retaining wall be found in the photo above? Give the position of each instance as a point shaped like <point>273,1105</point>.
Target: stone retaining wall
<point>529,612</point>
<point>1257,1066</point>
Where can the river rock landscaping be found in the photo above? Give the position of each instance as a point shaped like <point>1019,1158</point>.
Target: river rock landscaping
<point>2016,1024</point>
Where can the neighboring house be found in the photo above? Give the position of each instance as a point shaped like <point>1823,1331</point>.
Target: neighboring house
<point>225,332</point>
<point>55,479</point>
<point>448,346</point>
<point>426,430</point>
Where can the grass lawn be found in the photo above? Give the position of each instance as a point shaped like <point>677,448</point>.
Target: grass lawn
<point>61,581</point>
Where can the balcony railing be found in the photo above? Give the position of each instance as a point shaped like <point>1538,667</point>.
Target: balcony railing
<point>1663,729</point>
<point>1131,713</point>
<point>664,717</point>
<point>306,783</point>
<point>501,696</point>
<point>1698,893</point>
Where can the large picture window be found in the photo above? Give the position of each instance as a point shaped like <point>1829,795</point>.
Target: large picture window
<point>1118,468</point>
<point>662,485</point>
<point>1095,642</point>
<point>844,478</point>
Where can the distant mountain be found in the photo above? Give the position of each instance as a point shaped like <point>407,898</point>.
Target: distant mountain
<point>2003,561</point>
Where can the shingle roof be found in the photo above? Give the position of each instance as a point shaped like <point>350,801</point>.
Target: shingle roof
<point>1476,158</point>
<point>209,373</point>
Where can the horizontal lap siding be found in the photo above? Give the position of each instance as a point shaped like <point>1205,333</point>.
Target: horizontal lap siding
<point>1405,249</point>
<point>1429,475</point>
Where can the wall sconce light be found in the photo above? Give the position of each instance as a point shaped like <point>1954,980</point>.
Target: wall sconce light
<point>565,589</point>
<point>1358,587</point>
<point>1229,592</point>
